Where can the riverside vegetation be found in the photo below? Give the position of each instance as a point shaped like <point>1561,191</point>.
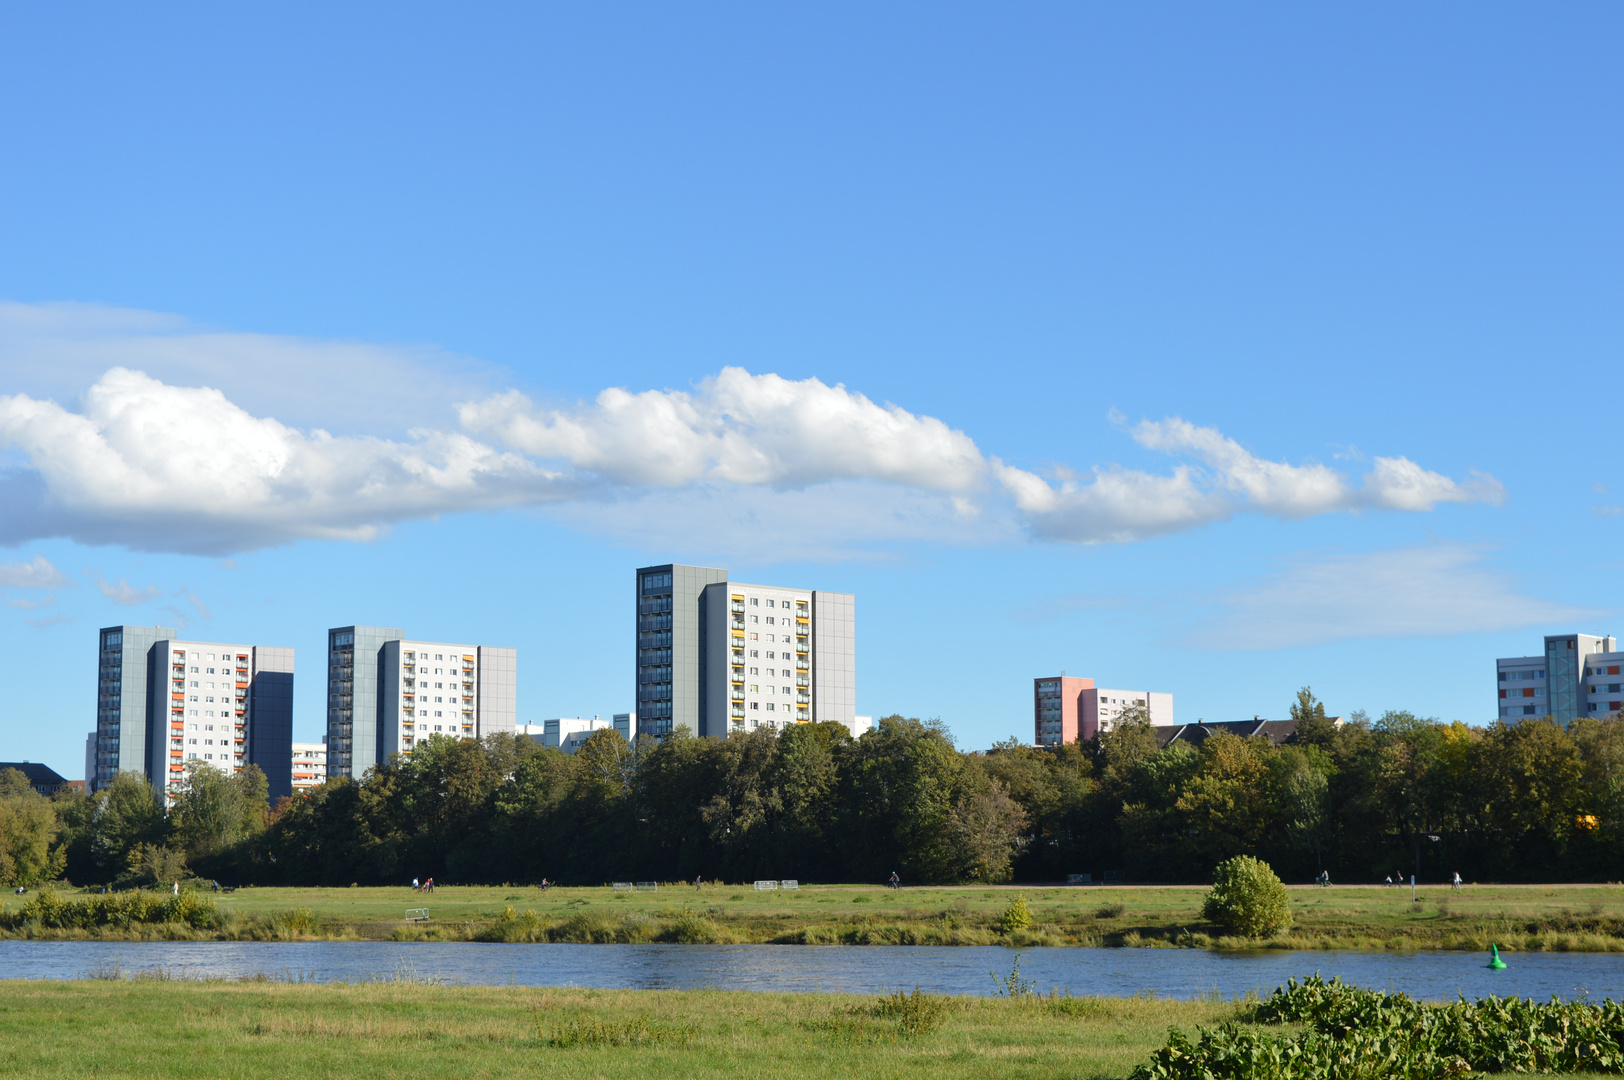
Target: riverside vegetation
<point>1365,800</point>
<point>114,1025</point>
<point>1554,918</point>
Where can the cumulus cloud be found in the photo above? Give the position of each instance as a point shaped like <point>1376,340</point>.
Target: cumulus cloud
<point>738,428</point>
<point>165,465</point>
<point>36,574</point>
<point>180,468</point>
<point>1434,591</point>
<point>1118,505</point>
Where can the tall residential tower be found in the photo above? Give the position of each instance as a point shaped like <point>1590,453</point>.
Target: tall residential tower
<point>721,657</point>
<point>386,694</point>
<point>164,701</point>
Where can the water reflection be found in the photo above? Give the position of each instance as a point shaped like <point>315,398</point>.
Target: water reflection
<point>1178,973</point>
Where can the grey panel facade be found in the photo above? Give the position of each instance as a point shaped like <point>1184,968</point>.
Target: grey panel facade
<point>498,703</point>
<point>124,683</point>
<point>714,715</point>
<point>671,653</point>
<point>834,657</point>
<point>354,706</point>
<point>270,718</point>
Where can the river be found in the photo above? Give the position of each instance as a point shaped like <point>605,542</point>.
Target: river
<point>1174,973</point>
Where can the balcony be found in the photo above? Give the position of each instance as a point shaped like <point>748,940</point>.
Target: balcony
<point>803,699</point>
<point>803,682</point>
<point>800,665</point>
<point>801,645</point>
<point>737,607</point>
<point>737,695</point>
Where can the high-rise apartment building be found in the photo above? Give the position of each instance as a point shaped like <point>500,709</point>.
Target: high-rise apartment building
<point>309,765</point>
<point>386,694</point>
<point>720,657</point>
<point>1578,675</point>
<point>164,701</point>
<point>1067,709</point>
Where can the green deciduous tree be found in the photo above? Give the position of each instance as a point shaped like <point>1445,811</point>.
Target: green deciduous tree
<point>28,831</point>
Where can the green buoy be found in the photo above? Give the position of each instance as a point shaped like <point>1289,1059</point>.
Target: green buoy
<point>1495,963</point>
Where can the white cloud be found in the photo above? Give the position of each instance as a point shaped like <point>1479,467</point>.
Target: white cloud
<point>212,458</point>
<point>124,593</point>
<point>1118,505</point>
<point>1435,591</point>
<point>36,574</point>
<point>162,467</point>
<point>738,428</point>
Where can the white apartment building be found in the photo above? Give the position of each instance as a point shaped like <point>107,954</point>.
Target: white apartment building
<point>722,657</point>
<point>1099,709</point>
<point>1578,675</point>
<point>387,694</point>
<point>567,733</point>
<point>309,765</point>
<point>164,701</point>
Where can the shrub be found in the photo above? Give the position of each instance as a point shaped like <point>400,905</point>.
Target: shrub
<point>1247,898</point>
<point>916,1014</point>
<point>1111,911</point>
<point>1016,916</point>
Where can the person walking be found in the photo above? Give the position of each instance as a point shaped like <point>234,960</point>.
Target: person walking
<point>698,880</point>
<point>1456,884</point>
<point>415,886</point>
<point>896,882</point>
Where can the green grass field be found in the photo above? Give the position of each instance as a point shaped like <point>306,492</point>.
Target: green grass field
<point>1563,917</point>
<point>174,1029</point>
<point>178,1029</point>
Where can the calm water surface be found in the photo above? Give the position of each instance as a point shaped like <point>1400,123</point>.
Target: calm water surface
<point>1177,973</point>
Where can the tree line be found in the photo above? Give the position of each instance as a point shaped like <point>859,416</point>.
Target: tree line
<point>1361,800</point>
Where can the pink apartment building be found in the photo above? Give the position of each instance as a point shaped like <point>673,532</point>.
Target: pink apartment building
<point>1067,709</point>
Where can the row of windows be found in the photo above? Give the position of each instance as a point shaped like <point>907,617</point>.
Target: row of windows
<point>1610,669</point>
<point>770,672</point>
<point>1519,676</point>
<point>1532,692</point>
<point>753,689</point>
<point>783,604</point>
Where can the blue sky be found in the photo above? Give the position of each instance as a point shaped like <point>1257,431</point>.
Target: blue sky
<point>1209,351</point>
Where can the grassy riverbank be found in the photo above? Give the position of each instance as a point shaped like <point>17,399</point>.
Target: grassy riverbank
<point>173,1029</point>
<point>223,1029</point>
<point>1563,917</point>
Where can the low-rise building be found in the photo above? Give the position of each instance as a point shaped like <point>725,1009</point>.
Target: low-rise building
<point>1068,709</point>
<point>42,778</point>
<point>566,733</point>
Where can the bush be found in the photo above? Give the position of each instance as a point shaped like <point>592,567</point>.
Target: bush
<point>1363,1033</point>
<point>916,1014</point>
<point>1016,916</point>
<point>1247,899</point>
<point>121,910</point>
